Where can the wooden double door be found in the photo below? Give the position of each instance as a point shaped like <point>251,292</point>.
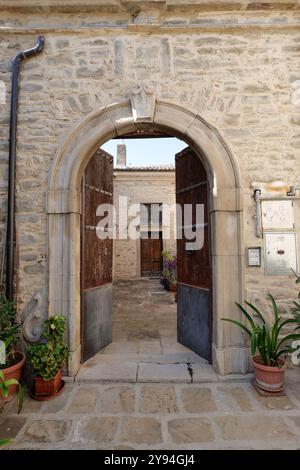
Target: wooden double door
<point>194,319</point>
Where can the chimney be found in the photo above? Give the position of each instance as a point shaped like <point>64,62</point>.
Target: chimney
<point>121,155</point>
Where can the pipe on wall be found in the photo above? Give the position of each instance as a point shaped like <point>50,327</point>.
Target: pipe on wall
<point>10,221</point>
<point>257,194</point>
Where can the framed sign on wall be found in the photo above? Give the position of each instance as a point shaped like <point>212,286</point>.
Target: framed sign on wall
<point>254,256</point>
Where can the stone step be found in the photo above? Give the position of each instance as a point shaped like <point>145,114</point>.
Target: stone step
<point>176,373</point>
<point>110,370</point>
<point>171,358</point>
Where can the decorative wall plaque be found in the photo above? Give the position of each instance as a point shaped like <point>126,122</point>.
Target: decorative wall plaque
<point>277,215</point>
<point>280,253</point>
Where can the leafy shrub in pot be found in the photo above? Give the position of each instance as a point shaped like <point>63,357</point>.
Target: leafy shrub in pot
<point>48,356</point>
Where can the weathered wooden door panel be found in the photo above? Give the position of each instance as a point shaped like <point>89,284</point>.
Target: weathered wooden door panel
<point>151,260</point>
<point>96,258</point>
<point>193,267</point>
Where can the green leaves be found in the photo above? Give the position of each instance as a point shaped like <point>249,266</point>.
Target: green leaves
<point>9,329</point>
<point>4,388</point>
<point>47,357</point>
<point>296,310</point>
<point>274,305</point>
<point>253,344</point>
<point>265,337</point>
<point>4,441</point>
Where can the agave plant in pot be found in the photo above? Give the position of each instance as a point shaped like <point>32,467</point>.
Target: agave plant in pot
<point>11,358</point>
<point>47,357</point>
<point>270,364</point>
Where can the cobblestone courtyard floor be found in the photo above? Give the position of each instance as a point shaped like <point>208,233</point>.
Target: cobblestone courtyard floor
<point>153,404</point>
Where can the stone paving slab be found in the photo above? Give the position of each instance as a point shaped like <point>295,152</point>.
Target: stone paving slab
<point>160,373</point>
<point>191,430</point>
<point>255,428</point>
<point>117,399</point>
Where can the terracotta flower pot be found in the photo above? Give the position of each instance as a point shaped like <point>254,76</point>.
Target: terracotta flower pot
<point>173,287</point>
<point>268,378</point>
<point>13,372</point>
<point>45,388</point>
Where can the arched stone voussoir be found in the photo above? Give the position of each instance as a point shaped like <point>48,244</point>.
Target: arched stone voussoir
<point>121,117</point>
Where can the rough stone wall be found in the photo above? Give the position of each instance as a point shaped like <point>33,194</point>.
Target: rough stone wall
<point>236,65</point>
<point>140,187</point>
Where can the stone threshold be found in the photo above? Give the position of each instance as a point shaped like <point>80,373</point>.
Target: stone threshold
<point>152,372</point>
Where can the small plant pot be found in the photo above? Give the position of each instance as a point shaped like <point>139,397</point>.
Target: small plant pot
<point>268,378</point>
<point>13,372</point>
<point>173,288</point>
<point>46,388</point>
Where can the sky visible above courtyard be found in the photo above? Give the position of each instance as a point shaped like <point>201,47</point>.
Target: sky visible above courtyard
<point>147,152</point>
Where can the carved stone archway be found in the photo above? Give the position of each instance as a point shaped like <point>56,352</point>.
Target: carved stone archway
<point>230,353</point>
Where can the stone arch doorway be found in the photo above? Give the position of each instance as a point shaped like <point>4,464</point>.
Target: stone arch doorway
<point>229,353</point>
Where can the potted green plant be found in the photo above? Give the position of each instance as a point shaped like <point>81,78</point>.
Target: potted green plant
<point>12,358</point>
<point>270,364</point>
<point>47,358</point>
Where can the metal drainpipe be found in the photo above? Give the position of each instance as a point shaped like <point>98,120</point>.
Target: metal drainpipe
<point>257,193</point>
<point>10,232</point>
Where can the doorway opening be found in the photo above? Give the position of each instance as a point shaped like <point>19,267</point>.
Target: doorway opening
<point>125,310</point>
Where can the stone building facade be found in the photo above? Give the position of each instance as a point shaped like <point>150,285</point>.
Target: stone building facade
<point>148,185</point>
<point>222,75</point>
